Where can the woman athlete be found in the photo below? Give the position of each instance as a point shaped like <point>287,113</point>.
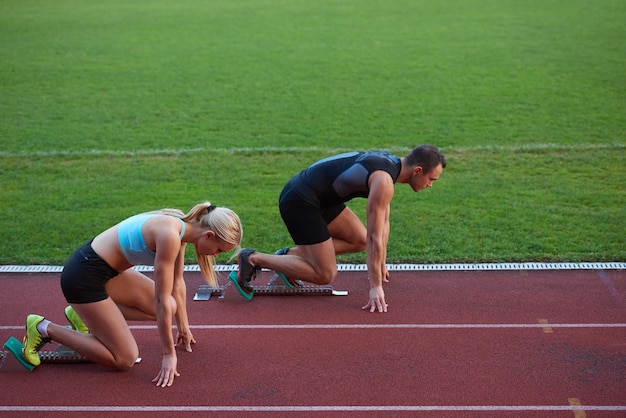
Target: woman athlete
<point>104,291</point>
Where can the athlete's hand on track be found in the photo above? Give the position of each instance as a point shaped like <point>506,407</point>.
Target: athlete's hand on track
<point>168,371</point>
<point>377,300</point>
<point>185,337</point>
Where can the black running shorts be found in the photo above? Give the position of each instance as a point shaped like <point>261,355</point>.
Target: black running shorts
<point>84,276</point>
<point>307,223</point>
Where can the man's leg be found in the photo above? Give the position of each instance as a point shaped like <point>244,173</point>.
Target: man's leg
<point>348,233</point>
<point>315,263</point>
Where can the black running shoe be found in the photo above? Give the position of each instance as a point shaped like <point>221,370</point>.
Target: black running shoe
<point>247,272</point>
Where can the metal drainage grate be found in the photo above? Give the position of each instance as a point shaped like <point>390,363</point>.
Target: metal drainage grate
<point>391,267</point>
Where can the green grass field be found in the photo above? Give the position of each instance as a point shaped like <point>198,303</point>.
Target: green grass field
<point>108,109</point>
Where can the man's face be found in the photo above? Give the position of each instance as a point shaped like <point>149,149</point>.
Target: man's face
<point>421,180</point>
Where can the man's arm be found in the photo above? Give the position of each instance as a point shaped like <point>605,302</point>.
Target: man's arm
<point>378,204</point>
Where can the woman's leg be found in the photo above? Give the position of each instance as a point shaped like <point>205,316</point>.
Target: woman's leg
<point>133,292</point>
<point>109,342</point>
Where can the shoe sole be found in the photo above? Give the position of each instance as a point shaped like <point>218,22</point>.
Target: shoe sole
<point>290,284</point>
<point>234,277</point>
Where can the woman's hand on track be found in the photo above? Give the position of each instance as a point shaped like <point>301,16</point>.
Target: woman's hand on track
<point>185,337</point>
<point>168,371</point>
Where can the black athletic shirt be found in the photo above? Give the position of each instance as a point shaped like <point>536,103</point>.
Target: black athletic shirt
<point>342,177</point>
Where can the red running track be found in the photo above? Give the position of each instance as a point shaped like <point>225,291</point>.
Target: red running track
<point>454,343</point>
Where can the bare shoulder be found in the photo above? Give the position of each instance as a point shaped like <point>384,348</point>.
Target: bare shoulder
<point>381,184</point>
<point>163,226</point>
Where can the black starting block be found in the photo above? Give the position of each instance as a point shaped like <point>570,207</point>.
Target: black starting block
<point>13,360</point>
<point>205,292</point>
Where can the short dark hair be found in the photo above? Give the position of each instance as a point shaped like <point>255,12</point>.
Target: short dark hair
<point>426,156</point>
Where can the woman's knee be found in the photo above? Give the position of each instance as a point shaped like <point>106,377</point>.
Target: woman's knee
<point>126,360</point>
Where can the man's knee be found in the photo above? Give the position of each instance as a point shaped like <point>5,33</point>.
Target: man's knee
<point>326,276</point>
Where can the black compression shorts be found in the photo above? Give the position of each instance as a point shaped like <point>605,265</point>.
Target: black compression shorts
<point>307,224</point>
<point>84,276</point>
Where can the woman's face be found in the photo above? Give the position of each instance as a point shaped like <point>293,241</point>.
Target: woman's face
<point>212,245</point>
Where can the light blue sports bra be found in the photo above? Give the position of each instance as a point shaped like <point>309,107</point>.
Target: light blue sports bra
<point>131,239</point>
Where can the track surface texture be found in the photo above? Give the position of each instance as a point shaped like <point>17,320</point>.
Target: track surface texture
<point>454,343</point>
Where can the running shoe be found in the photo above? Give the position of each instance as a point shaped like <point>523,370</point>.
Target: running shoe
<point>33,340</point>
<point>75,321</point>
<point>247,272</point>
<point>289,282</point>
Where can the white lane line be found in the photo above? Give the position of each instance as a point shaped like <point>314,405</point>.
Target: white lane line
<point>325,150</point>
<point>372,326</point>
<point>402,326</point>
<point>311,408</point>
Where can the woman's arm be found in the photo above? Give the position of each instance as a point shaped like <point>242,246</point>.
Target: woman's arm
<point>167,245</point>
<point>180,295</point>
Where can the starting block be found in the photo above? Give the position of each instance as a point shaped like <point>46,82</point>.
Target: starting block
<point>205,292</point>
<point>13,360</point>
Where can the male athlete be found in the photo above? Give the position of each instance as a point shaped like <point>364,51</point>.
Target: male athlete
<point>312,205</point>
